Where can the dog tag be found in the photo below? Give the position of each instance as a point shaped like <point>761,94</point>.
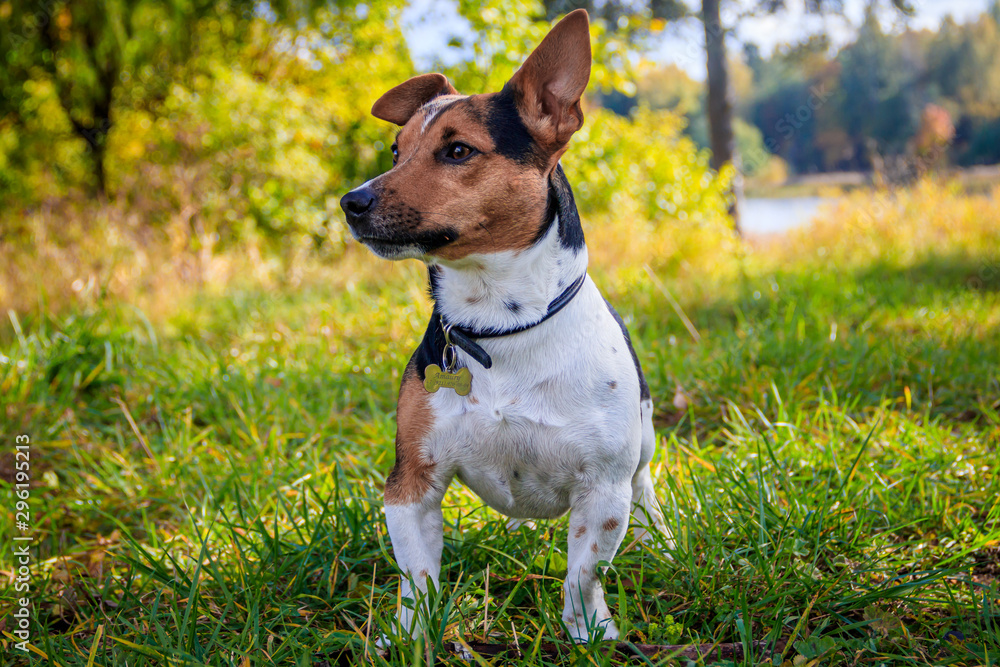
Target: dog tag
<point>435,378</point>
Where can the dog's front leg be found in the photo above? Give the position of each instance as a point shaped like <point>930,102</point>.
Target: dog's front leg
<point>597,525</point>
<point>413,494</point>
<point>415,530</point>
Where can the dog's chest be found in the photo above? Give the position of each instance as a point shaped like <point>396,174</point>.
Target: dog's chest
<point>553,415</point>
<point>516,446</point>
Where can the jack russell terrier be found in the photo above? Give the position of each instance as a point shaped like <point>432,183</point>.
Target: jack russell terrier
<point>525,385</point>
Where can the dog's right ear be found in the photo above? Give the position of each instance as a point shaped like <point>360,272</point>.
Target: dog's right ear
<point>399,104</point>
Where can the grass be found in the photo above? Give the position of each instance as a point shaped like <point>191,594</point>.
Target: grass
<point>206,476</point>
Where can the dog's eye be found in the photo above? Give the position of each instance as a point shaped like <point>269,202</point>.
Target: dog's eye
<point>458,152</point>
<point>395,153</point>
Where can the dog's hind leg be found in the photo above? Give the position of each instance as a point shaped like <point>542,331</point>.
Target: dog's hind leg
<point>645,508</point>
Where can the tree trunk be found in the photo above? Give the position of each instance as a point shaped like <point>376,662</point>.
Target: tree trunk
<point>720,105</point>
<point>95,132</point>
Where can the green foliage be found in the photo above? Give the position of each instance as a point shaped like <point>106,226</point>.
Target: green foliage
<point>863,105</point>
<point>504,33</point>
<point>274,130</point>
<point>234,127</point>
<point>643,163</point>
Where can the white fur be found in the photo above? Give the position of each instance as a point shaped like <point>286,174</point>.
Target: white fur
<point>434,107</point>
<point>556,424</point>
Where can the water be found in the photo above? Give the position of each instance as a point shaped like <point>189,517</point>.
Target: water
<point>770,216</point>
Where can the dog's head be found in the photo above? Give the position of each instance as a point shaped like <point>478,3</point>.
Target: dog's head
<point>470,173</point>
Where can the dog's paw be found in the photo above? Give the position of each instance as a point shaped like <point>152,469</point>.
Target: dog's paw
<point>581,632</point>
<point>514,524</point>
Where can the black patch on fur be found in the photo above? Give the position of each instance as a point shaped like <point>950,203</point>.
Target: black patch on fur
<point>433,280</point>
<point>643,387</point>
<point>570,229</point>
<point>512,306</point>
<point>509,134</point>
<point>561,203</point>
<point>432,346</point>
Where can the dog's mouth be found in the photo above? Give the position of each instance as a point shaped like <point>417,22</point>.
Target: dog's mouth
<point>388,248</point>
<point>404,246</point>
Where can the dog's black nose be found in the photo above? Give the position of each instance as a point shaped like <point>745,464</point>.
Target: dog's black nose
<point>357,202</point>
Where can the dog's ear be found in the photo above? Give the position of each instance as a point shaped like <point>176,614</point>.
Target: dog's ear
<point>550,83</point>
<point>399,104</point>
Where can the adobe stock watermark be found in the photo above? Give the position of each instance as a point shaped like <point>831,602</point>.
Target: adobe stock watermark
<point>787,126</point>
<point>21,542</point>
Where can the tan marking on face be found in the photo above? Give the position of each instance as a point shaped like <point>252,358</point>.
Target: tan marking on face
<point>593,547</point>
<point>610,524</point>
<point>411,476</point>
<point>578,533</point>
<point>493,203</point>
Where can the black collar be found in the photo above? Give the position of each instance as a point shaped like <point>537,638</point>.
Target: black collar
<point>432,346</point>
<point>464,337</point>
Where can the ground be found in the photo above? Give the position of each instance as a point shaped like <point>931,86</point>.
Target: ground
<point>206,475</point>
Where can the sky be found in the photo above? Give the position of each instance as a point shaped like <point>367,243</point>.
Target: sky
<point>429,23</point>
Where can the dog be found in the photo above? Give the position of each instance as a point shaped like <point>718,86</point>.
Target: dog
<point>525,385</point>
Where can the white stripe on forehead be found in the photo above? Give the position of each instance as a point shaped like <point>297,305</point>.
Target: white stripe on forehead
<point>434,107</point>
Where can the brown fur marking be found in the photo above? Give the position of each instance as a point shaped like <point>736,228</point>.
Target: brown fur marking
<point>610,524</point>
<point>593,547</point>
<point>400,103</point>
<point>552,80</point>
<point>493,203</point>
<point>412,475</point>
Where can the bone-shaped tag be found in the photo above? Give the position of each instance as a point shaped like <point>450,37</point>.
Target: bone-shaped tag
<point>435,378</point>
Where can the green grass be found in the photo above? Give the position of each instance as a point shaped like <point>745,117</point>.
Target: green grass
<point>207,487</point>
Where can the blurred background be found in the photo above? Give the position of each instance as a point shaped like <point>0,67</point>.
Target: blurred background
<point>139,141</point>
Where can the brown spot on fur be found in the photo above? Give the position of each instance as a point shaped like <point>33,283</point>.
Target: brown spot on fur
<point>423,574</point>
<point>580,531</point>
<point>612,384</point>
<point>593,547</point>
<point>473,400</point>
<point>411,476</point>
<point>610,524</point>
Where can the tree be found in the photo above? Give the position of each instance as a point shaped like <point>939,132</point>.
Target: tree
<point>87,48</point>
<point>719,104</point>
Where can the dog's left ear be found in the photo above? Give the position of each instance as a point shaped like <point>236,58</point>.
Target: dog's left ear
<point>400,103</point>
<point>550,83</point>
